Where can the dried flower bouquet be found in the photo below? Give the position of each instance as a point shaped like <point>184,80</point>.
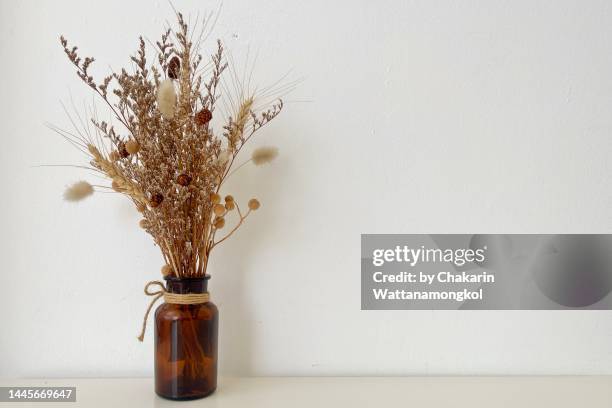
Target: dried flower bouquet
<point>163,153</point>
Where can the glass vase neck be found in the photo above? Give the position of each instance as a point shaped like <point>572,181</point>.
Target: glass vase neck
<point>187,285</point>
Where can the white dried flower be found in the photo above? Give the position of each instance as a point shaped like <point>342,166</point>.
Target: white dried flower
<point>263,155</point>
<point>222,158</point>
<point>166,99</point>
<point>78,191</point>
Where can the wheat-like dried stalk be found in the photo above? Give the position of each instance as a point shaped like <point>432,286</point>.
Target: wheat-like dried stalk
<point>124,184</point>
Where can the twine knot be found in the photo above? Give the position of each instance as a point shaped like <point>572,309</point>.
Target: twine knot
<point>169,297</point>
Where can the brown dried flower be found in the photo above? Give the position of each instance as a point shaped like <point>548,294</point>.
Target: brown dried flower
<point>156,200</point>
<point>229,198</point>
<point>203,117</point>
<point>144,224</point>
<point>174,67</point>
<point>122,150</point>
<point>183,179</point>
<point>230,205</point>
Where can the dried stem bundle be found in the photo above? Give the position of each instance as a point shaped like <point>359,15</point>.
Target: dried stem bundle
<point>166,157</point>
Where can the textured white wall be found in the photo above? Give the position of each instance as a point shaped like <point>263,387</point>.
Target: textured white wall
<point>480,116</point>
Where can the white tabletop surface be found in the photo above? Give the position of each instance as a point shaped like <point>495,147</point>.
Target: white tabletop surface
<point>316,392</point>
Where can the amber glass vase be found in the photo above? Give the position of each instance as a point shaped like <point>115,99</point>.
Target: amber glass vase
<point>186,344</point>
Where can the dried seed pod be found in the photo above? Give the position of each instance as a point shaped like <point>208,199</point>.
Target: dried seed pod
<point>114,156</point>
<point>219,222</point>
<point>166,270</point>
<point>203,117</point>
<point>229,198</point>
<point>254,204</point>
<point>215,198</point>
<point>132,146</point>
<point>183,179</point>
<point>219,209</point>
<point>230,205</point>
<point>156,200</point>
<point>174,67</point>
<point>144,224</point>
<point>122,150</point>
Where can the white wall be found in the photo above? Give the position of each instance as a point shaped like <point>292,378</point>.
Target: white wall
<point>423,117</point>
